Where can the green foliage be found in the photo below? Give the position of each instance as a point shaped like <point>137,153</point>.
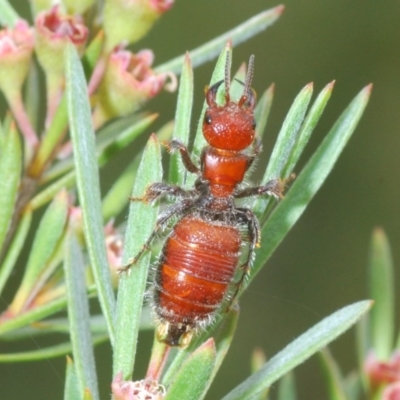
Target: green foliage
<point>76,251</point>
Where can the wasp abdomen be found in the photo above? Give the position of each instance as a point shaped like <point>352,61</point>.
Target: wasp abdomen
<point>197,266</point>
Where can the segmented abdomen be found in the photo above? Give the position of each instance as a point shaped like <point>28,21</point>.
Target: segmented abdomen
<point>197,265</point>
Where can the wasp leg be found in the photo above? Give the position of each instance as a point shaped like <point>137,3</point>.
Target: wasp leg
<point>253,227</point>
<point>159,190</point>
<point>274,187</point>
<point>179,210</point>
<point>176,144</point>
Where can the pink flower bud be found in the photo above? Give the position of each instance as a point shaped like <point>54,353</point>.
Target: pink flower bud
<point>383,372</point>
<point>129,82</point>
<point>392,392</point>
<point>127,21</point>
<point>54,30</point>
<point>16,47</point>
<point>144,389</point>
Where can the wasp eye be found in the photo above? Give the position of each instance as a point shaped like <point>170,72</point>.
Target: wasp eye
<point>207,119</point>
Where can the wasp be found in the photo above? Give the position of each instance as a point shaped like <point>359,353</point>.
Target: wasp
<point>201,259</point>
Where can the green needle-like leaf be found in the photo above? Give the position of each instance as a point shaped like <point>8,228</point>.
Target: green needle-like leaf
<point>182,120</point>
<point>287,387</point>
<point>15,247</point>
<point>381,288</point>
<point>299,350</point>
<point>118,196</point>
<point>50,139</point>
<point>44,353</point>
<point>71,388</point>
<point>223,336</point>
<point>47,240</point>
<point>79,317</point>
<point>288,133</point>
<point>333,376</point>
<point>285,142</point>
<point>261,112</point>
<point>132,284</point>
<point>10,174</point>
<point>38,313</point>
<point>192,380</point>
<point>307,128</point>
<point>237,35</point>
<point>309,181</point>
<point>87,177</point>
<point>8,16</point>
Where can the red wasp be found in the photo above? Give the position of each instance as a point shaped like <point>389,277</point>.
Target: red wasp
<point>198,264</point>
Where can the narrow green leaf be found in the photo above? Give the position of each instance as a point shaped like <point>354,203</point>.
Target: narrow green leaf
<point>237,35</point>
<point>32,95</point>
<point>47,240</point>
<point>50,139</point>
<point>285,142</point>
<point>309,181</point>
<point>287,387</point>
<point>79,317</point>
<point>8,16</point>
<point>307,128</point>
<point>182,120</point>
<point>54,325</point>
<point>363,346</point>
<point>33,315</point>
<point>10,322</point>
<point>48,194</point>
<point>381,289</point>
<point>87,178</point>
<point>262,110</point>
<point>92,53</point>
<point>71,388</point>
<point>333,376</point>
<point>124,139</point>
<point>107,146</point>
<point>352,385</point>
<point>15,247</point>
<point>132,285</point>
<point>299,350</point>
<point>10,174</point>
<point>44,353</point>
<point>258,359</point>
<point>193,379</point>
<point>223,336</point>
<point>118,196</point>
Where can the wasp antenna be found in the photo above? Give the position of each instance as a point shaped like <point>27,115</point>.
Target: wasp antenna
<point>249,75</point>
<point>227,75</point>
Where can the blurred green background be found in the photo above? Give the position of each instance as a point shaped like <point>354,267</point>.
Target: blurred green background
<point>321,266</point>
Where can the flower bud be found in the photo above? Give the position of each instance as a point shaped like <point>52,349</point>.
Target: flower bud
<point>54,30</point>
<point>16,47</point>
<point>127,21</point>
<point>392,392</point>
<point>144,389</point>
<point>128,82</point>
<point>383,372</point>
